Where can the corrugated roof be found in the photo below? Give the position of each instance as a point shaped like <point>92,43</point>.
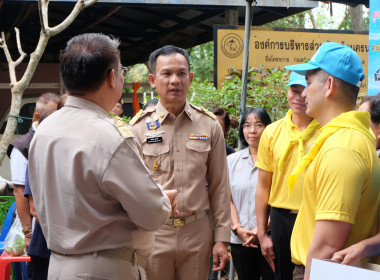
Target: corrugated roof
<point>141,27</point>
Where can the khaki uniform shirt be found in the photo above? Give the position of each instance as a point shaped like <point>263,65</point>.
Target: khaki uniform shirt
<point>191,158</point>
<point>91,188</point>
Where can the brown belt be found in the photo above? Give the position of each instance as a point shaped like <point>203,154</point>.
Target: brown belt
<point>180,222</point>
<point>125,254</point>
<point>119,253</point>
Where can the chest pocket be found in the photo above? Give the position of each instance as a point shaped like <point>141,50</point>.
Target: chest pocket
<point>196,155</point>
<point>156,157</point>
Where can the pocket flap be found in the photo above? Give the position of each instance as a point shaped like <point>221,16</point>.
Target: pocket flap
<point>198,146</point>
<point>155,149</point>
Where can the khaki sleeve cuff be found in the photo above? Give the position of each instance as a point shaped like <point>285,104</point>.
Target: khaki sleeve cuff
<point>222,235</point>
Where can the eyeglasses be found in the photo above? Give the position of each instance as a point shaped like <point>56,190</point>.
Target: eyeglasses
<point>123,71</point>
<point>249,126</point>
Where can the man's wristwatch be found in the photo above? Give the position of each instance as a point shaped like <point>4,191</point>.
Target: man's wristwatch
<point>235,227</point>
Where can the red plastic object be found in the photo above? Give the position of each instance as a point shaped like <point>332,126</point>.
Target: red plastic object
<point>5,264</point>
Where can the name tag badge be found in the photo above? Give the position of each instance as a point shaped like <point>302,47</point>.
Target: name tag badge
<point>153,140</point>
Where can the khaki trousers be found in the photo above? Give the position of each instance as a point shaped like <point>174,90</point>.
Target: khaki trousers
<point>92,267</point>
<point>181,253</point>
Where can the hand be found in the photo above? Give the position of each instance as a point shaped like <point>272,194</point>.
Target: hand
<point>172,194</point>
<point>253,240</point>
<point>219,256</point>
<point>27,242</point>
<point>243,233</point>
<point>351,254</point>
<point>266,245</point>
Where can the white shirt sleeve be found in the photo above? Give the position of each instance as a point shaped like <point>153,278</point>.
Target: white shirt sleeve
<point>18,167</point>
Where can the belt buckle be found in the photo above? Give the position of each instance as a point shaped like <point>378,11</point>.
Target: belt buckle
<point>179,222</point>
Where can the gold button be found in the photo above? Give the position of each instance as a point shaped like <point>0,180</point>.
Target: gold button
<point>161,115</point>
<point>189,112</point>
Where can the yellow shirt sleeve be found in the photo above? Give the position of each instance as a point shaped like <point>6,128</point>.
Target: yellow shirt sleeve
<point>264,155</point>
<point>340,177</point>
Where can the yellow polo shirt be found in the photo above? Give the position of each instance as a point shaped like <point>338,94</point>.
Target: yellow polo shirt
<point>278,144</point>
<point>342,183</point>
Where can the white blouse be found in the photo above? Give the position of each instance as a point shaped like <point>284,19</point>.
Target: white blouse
<point>243,180</point>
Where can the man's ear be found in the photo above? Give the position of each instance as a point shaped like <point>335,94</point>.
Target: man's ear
<point>36,116</point>
<point>191,76</point>
<point>331,86</point>
<point>110,79</point>
<point>152,80</point>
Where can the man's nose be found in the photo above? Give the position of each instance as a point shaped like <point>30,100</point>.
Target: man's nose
<point>303,94</point>
<point>174,79</point>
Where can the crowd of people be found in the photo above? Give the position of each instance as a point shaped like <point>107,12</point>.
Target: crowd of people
<point>155,198</point>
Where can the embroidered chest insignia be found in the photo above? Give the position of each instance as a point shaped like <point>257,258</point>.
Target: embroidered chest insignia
<point>152,124</point>
<point>193,136</point>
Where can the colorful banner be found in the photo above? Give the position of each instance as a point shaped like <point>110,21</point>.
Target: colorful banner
<point>374,48</point>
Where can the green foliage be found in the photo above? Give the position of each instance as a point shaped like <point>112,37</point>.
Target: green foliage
<point>126,119</point>
<point>293,21</point>
<point>137,73</point>
<point>202,61</point>
<point>266,88</point>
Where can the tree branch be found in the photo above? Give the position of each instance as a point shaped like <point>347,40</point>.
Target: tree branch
<point>79,6</point>
<point>43,11</point>
<point>312,19</point>
<point>11,66</point>
<point>22,53</point>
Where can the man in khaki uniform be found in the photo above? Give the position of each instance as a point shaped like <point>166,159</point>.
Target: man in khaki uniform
<point>183,146</point>
<point>96,201</point>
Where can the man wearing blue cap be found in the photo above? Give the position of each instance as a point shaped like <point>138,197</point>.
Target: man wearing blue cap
<point>341,190</point>
<point>282,145</point>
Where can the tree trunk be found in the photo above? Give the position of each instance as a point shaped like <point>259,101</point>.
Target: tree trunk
<point>11,124</point>
<point>312,19</point>
<point>18,87</point>
<point>356,18</point>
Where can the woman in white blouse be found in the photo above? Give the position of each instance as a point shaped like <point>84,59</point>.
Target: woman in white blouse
<point>248,260</point>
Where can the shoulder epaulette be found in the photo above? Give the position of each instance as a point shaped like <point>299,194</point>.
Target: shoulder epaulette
<point>122,127</point>
<point>208,113</point>
<point>204,110</point>
<point>137,117</point>
<point>195,107</point>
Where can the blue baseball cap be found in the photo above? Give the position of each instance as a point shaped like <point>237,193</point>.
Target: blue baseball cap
<point>337,60</point>
<point>296,79</point>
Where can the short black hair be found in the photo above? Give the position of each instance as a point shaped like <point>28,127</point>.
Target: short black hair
<point>87,60</point>
<point>166,50</point>
<point>224,114</point>
<point>374,105</point>
<point>152,102</point>
<point>261,113</point>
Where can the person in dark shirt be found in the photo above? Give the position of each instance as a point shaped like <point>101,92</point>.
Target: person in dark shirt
<point>223,118</point>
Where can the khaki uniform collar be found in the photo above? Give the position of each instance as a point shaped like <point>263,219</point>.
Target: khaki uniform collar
<point>162,113</point>
<point>81,103</point>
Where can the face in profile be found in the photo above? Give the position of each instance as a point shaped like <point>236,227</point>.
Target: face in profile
<point>172,79</point>
<point>314,94</point>
<point>117,110</point>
